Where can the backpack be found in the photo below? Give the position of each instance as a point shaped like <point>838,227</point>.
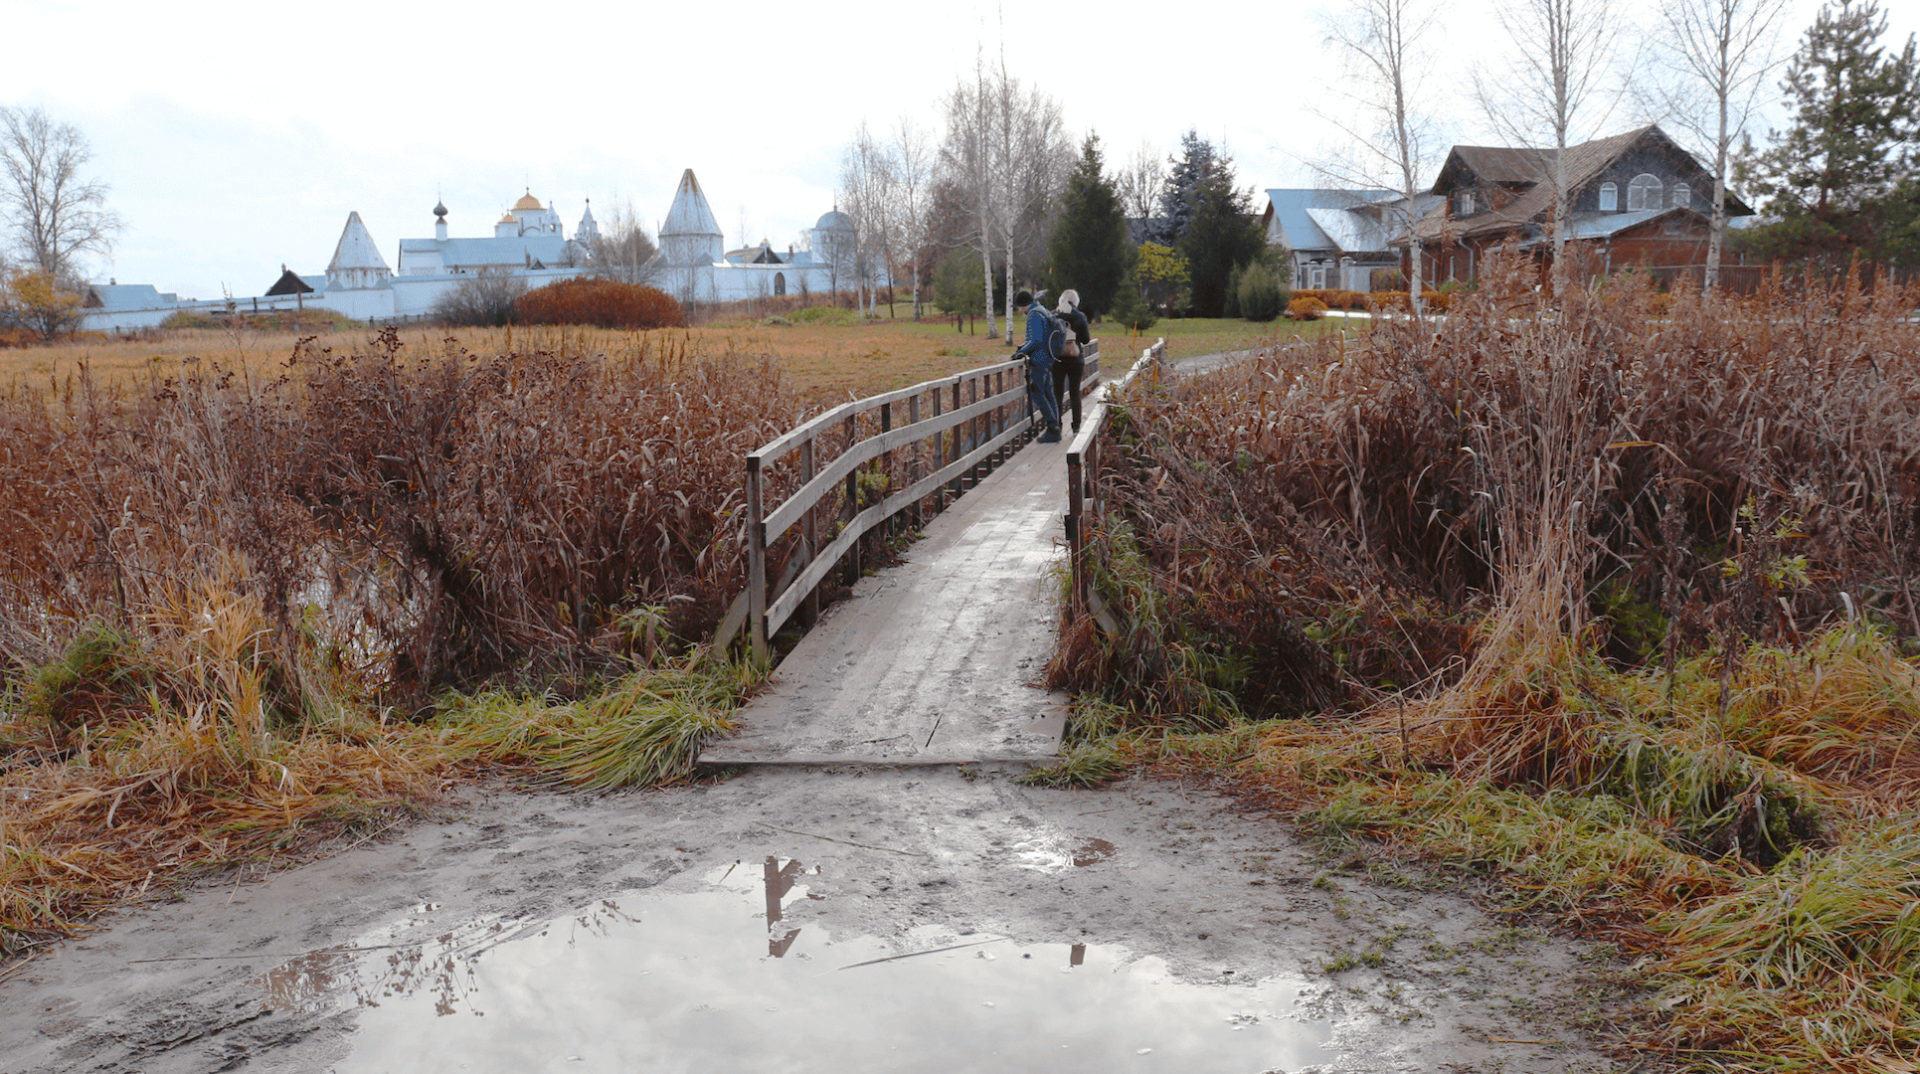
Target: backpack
<point>1070,345</point>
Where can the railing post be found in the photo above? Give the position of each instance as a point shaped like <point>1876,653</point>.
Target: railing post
<point>756,566</point>
<point>852,572</point>
<point>939,448</point>
<point>810,526</point>
<point>958,484</point>
<point>913,467</point>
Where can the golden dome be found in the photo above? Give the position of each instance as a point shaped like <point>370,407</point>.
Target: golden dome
<point>527,201</point>
<point>508,219</point>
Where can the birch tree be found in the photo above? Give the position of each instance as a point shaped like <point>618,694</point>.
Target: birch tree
<point>1722,50</point>
<point>913,159</point>
<point>967,157</point>
<point>1389,143</point>
<point>1562,54</point>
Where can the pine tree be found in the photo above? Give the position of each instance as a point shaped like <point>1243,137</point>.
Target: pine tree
<point>1089,245</point>
<point>1223,235</point>
<point>1197,162</point>
<point>1834,179</point>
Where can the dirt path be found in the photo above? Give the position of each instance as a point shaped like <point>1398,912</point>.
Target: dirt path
<point>248,975</point>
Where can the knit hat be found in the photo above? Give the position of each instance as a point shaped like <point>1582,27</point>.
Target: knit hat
<point>1023,298</point>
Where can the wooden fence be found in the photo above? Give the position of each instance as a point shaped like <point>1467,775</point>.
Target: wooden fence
<point>847,477</point>
<point>1085,504</point>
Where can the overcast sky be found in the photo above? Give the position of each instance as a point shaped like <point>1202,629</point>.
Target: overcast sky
<point>237,137</point>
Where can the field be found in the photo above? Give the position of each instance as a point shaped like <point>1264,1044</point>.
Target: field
<point>826,362</point>
<point>1610,606</point>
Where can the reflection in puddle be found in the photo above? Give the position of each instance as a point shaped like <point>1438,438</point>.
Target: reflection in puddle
<point>1054,854</point>
<point>681,981</point>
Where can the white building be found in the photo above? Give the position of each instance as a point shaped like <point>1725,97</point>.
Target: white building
<point>693,265</point>
<point>528,242</point>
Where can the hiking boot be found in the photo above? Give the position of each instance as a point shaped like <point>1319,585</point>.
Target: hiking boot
<point>1051,436</point>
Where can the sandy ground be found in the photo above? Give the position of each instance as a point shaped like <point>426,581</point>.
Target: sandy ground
<point>1181,876</point>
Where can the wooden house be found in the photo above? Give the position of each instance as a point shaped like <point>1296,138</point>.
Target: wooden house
<point>1633,199</point>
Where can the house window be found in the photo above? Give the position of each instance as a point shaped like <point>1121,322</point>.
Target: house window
<point>1463,203</point>
<point>1643,193</point>
<point>1316,277</point>
<point>1609,197</point>
<point>1681,195</point>
<point>779,283</point>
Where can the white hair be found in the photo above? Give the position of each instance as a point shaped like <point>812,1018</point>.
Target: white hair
<point>1069,300</point>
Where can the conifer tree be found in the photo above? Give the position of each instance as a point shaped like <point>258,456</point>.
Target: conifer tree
<point>1841,178</point>
<point>1089,245</point>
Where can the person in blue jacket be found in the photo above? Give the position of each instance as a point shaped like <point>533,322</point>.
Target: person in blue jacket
<point>1038,351</point>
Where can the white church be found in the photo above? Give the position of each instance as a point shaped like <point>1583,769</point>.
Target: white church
<point>529,243</point>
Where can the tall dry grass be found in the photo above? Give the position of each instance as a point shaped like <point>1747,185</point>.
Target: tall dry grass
<point>227,594</point>
<point>1613,601</point>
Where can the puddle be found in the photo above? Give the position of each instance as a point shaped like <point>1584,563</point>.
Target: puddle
<point>1054,854</point>
<point>738,975</point>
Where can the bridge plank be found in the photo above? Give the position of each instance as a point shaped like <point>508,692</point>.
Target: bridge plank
<point>938,660</point>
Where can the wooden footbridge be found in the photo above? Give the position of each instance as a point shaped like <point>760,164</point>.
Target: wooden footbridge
<point>937,660</point>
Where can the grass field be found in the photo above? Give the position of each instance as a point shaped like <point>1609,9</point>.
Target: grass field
<point>826,363</point>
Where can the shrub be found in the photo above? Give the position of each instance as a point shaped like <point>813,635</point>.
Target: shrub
<point>833,316</point>
<point>482,300</point>
<point>602,303</point>
<point>1258,293</point>
<point>1306,308</point>
<point>1386,279</point>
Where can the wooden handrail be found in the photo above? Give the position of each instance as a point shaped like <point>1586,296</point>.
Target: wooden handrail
<point>970,422</point>
<point>1084,502</point>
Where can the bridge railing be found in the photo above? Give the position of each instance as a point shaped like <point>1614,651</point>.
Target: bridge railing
<point>1086,502</point>
<point>817,494</point>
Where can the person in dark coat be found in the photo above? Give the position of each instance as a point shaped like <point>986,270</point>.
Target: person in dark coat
<point>1038,351</point>
<point>1067,371</point>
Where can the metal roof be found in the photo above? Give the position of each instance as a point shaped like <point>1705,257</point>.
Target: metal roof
<point>690,214</point>
<point>356,249</point>
<point>127,296</point>
<point>1299,229</point>
<point>492,250</point>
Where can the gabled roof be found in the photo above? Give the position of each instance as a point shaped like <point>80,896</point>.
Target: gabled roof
<point>289,283</point>
<point>690,214</point>
<point>1584,164</point>
<point>127,296</point>
<point>1303,214</point>
<point>355,249</point>
<point>512,250</point>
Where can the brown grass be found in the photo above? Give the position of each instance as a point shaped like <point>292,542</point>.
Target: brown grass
<point>1612,604</point>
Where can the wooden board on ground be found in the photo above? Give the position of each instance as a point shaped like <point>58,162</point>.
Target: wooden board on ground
<point>938,660</point>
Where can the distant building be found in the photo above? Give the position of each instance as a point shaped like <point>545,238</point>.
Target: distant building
<point>693,265</point>
<point>1337,238</point>
<point>529,243</point>
<point>1634,198</point>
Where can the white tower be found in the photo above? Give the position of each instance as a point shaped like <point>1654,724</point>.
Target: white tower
<point>356,260</point>
<point>691,236</point>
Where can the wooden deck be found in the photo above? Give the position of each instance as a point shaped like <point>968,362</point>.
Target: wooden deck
<point>938,660</point>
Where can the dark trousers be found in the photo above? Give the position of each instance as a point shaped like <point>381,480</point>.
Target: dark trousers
<point>1066,378</point>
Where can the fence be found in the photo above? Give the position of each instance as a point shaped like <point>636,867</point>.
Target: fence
<point>955,431</point>
<point>1085,505</point>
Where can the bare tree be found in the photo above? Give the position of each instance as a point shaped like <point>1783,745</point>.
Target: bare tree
<point>1562,53</point>
<point>56,214</point>
<point>866,192</point>
<point>1722,50</point>
<point>1033,160</point>
<point>968,157</point>
<point>485,298</point>
<point>1141,182</point>
<point>912,205</point>
<point>623,250</point>
<point>1389,144</point>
